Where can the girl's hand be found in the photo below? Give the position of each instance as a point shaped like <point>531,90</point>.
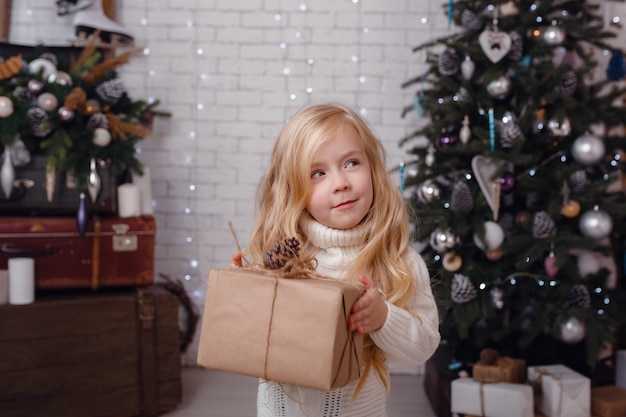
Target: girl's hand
<point>235,261</point>
<point>370,311</point>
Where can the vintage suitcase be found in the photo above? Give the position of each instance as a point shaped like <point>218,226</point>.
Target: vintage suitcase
<point>96,354</point>
<point>29,195</point>
<point>113,252</point>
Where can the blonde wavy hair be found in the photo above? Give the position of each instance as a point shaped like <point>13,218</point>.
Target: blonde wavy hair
<point>283,195</point>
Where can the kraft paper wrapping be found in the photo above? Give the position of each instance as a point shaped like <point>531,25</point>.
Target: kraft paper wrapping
<point>289,330</point>
<point>564,392</point>
<point>608,401</point>
<point>499,399</point>
<point>505,370</point>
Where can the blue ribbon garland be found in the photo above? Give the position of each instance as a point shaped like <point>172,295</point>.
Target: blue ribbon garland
<point>401,176</point>
<point>450,13</point>
<point>492,131</point>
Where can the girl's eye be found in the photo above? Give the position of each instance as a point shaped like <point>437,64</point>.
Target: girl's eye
<point>317,174</point>
<point>352,163</point>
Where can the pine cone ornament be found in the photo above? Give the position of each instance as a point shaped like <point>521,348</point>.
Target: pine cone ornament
<point>567,86</point>
<point>279,254</point>
<point>517,47</point>
<point>577,181</point>
<point>39,121</point>
<point>111,91</point>
<point>23,93</point>
<point>471,21</point>
<point>579,296</point>
<point>543,225</point>
<point>461,198</point>
<point>98,120</point>
<point>509,132</point>
<point>447,62</point>
<point>462,290</point>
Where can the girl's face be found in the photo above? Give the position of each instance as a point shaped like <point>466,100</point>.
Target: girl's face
<point>341,181</point>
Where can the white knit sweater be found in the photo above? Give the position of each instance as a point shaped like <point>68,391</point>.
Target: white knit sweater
<point>405,340</point>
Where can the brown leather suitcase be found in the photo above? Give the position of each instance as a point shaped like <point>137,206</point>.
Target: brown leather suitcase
<point>113,252</point>
<point>114,352</point>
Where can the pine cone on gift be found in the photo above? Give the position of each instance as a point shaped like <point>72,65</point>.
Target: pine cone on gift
<point>279,254</point>
<point>579,296</point>
<point>462,290</point>
<point>543,225</point>
<point>461,198</point>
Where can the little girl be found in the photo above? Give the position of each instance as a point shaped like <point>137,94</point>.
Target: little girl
<point>327,185</point>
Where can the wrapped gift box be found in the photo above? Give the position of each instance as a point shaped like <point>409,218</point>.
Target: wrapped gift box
<point>290,330</point>
<point>564,392</point>
<point>504,370</point>
<point>608,401</point>
<point>499,399</point>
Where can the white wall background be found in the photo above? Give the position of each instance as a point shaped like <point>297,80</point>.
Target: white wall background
<point>231,72</point>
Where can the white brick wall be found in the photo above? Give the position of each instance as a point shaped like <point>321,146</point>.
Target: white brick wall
<point>222,148</point>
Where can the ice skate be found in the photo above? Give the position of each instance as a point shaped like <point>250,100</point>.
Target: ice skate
<point>65,7</point>
<point>91,19</point>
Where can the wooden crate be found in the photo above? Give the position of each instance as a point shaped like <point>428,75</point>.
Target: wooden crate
<point>91,354</point>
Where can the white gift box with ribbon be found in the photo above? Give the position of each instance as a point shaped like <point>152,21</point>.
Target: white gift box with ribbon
<point>498,399</point>
<point>564,392</point>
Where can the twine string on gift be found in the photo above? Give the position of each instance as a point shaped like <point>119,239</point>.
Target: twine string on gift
<point>269,327</point>
<point>538,387</point>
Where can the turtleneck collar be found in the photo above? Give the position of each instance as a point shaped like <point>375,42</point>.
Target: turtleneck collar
<point>324,237</point>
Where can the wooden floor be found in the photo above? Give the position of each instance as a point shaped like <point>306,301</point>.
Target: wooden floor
<point>210,393</point>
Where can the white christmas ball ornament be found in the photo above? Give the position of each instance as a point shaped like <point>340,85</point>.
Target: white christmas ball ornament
<point>596,224</point>
<point>6,107</point>
<point>588,149</point>
<point>500,87</point>
<point>572,330</point>
<point>47,101</point>
<point>494,237</point>
<point>101,137</point>
<point>44,65</point>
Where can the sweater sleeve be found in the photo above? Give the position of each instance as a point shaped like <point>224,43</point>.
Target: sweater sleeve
<point>410,339</point>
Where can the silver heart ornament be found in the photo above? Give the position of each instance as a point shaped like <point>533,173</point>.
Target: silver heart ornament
<point>495,45</point>
<point>485,169</point>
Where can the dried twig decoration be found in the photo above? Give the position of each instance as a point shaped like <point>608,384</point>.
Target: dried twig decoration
<point>87,52</point>
<point>10,67</point>
<point>122,130</point>
<point>101,69</point>
<point>75,99</point>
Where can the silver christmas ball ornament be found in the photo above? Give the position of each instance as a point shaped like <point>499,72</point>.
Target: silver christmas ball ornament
<point>443,240</point>
<point>428,191</point>
<point>65,114</point>
<point>572,330</point>
<point>553,35</point>
<point>560,128</point>
<point>588,149</point>
<point>500,87</point>
<point>596,224</point>
<point>61,78</point>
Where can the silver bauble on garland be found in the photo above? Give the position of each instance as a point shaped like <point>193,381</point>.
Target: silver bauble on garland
<point>500,87</point>
<point>428,191</point>
<point>462,291</point>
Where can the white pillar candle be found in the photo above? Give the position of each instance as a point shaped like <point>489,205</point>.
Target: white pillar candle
<point>21,280</point>
<point>4,286</point>
<point>128,200</point>
<point>144,183</point>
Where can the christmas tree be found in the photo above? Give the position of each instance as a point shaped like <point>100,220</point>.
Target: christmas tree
<point>517,179</point>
